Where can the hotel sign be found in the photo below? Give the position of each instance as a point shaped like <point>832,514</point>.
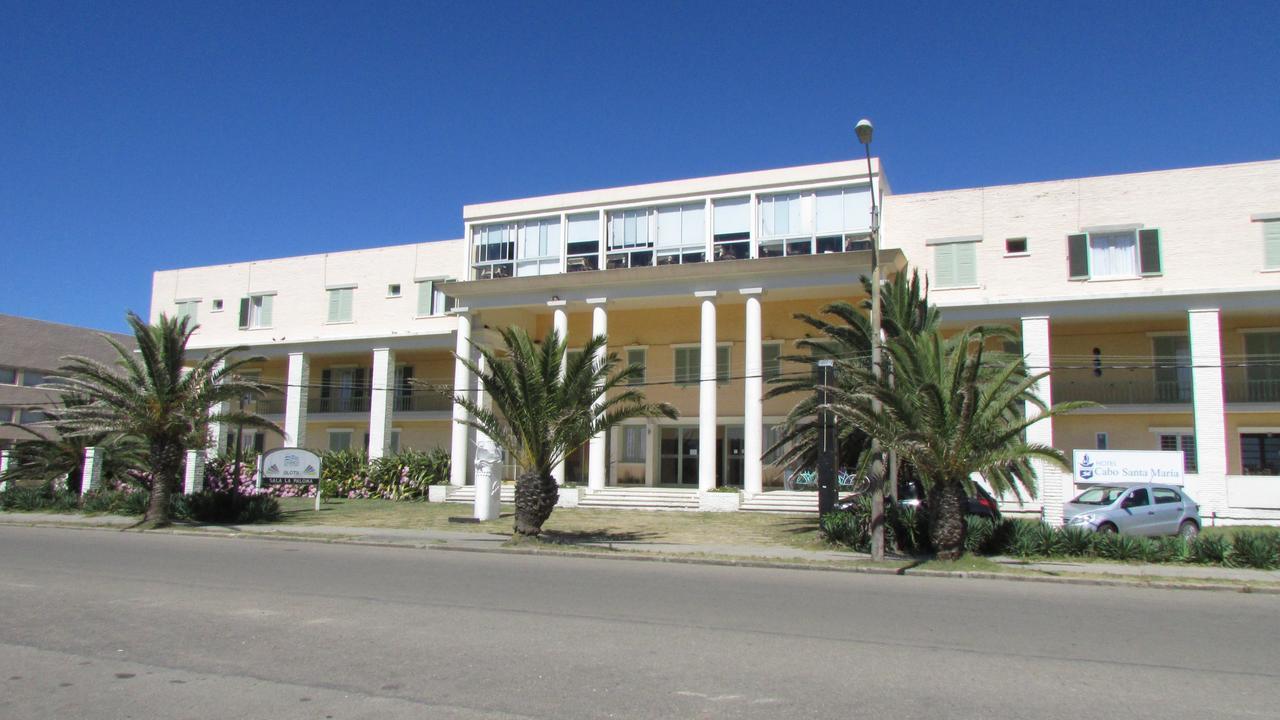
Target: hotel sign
<point>289,466</point>
<point>1099,467</point>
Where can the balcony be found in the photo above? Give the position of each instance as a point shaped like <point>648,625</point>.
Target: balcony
<point>1119,387</point>
<point>440,400</point>
<point>1244,389</point>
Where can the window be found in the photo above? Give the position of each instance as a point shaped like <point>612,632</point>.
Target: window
<point>494,249</point>
<point>187,309</point>
<point>538,247</point>
<point>772,436</point>
<point>404,387</point>
<point>1165,496</point>
<point>1271,244</point>
<point>31,415</point>
<point>1101,441</point>
<point>432,299</point>
<point>1172,358</point>
<point>722,365</point>
<point>217,305</point>
<point>256,311</point>
<point>682,234</point>
<point>393,290</point>
<point>6,414</point>
<point>1260,453</point>
<point>638,356</point>
<point>1110,255</point>
<point>8,376</point>
<point>771,361</point>
<point>630,238</point>
<point>1015,246</point>
<point>1186,442</point>
<point>340,440</point>
<point>731,228</point>
<point>340,300</point>
<point>583,249</point>
<point>1262,373</point>
<point>688,362</point>
<point>1137,498</point>
<point>832,220</point>
<point>955,264</point>
<point>33,378</point>
<point>344,389</point>
<point>254,440</point>
<point>395,441</point>
<point>634,439</point>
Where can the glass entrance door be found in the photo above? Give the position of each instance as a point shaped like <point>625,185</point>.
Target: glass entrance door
<point>731,457</point>
<point>678,464</point>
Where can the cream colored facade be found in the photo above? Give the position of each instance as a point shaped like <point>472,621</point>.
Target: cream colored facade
<point>1107,278</point>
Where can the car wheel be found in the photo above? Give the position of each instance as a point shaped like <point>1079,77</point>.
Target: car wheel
<point>1107,528</point>
<point>1188,530</point>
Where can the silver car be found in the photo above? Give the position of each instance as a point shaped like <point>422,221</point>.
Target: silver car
<point>1134,509</point>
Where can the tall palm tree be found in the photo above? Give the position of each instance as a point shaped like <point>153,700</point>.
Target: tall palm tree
<point>953,410</point>
<point>55,451</point>
<point>539,417</point>
<point>160,396</point>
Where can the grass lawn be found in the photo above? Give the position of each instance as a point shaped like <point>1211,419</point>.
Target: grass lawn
<point>1229,531</point>
<point>569,524</point>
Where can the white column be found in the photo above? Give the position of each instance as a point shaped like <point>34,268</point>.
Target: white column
<point>91,477</point>
<point>381,402</point>
<point>753,397</point>
<point>596,454</point>
<point>1208,406</point>
<point>193,476</point>
<point>460,458</point>
<point>295,400</point>
<point>488,472</point>
<point>1055,485</point>
<point>707,394</point>
<point>217,431</point>
<point>560,321</point>
<point>4,467</point>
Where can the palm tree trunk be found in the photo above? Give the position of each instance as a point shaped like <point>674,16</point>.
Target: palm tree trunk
<point>536,496</point>
<point>166,465</point>
<point>946,508</point>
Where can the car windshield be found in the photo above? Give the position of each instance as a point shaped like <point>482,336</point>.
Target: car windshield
<point>1101,495</point>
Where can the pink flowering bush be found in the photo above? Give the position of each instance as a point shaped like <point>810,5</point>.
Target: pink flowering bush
<point>345,474</point>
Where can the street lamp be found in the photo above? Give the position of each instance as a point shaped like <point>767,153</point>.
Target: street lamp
<point>864,130</point>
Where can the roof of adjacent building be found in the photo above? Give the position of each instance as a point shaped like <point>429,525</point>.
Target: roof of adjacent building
<point>40,344</point>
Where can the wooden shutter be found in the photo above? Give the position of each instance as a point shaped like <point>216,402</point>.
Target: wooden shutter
<point>722,365</point>
<point>244,313</point>
<point>944,261</point>
<point>1271,244</point>
<point>1149,251</point>
<point>966,264</point>
<point>1078,256</point>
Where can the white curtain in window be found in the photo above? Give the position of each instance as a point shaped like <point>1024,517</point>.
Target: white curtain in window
<point>693,224</point>
<point>629,228</point>
<point>669,227</point>
<point>732,215</point>
<point>584,228</point>
<point>784,215</point>
<point>1113,255</point>
<point>539,238</point>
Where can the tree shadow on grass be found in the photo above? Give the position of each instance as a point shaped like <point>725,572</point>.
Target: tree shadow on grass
<point>574,537</point>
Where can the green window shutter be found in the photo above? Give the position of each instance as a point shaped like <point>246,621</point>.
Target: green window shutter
<point>335,305</point>
<point>426,291</point>
<point>244,313</point>
<point>1271,244</point>
<point>771,362</point>
<point>326,380</point>
<point>944,260</point>
<point>1149,251</point>
<point>636,356</point>
<point>966,264</point>
<point>722,365</point>
<point>1078,256</point>
<point>687,365</point>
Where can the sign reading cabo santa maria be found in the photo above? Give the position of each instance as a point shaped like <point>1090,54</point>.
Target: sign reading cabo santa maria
<point>290,466</point>
<point>1098,467</point>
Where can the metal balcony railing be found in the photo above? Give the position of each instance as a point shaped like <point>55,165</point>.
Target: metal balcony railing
<point>1243,389</point>
<point>435,400</point>
<point>1118,387</point>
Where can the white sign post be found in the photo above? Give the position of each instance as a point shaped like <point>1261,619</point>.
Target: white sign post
<point>1100,467</point>
<point>290,466</point>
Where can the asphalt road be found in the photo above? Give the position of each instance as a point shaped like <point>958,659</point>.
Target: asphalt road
<point>103,624</point>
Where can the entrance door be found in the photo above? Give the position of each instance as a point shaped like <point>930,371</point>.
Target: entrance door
<point>678,464</point>
<point>732,456</point>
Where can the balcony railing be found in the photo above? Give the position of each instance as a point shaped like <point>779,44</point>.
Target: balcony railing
<point>425,401</point>
<point>1243,389</point>
<point>1114,388</point>
<point>418,401</point>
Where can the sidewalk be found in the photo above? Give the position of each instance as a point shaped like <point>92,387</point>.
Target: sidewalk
<point>1166,575</point>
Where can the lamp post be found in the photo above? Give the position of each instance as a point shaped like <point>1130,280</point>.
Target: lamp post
<point>864,130</point>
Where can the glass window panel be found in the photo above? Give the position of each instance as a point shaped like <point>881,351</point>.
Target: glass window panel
<point>637,356</point>
<point>722,364</point>
<point>8,376</point>
<point>669,231</point>
<point>1113,255</point>
<point>771,361</point>
<point>732,215</point>
<point>584,228</point>
<point>32,378</point>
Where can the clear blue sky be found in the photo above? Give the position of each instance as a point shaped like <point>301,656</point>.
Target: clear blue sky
<point>137,137</point>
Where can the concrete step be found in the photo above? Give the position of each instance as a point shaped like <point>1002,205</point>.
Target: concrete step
<point>467,494</point>
<point>641,499</point>
<point>783,501</point>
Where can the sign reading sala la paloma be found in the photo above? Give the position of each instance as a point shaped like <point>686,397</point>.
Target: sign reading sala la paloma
<point>290,466</point>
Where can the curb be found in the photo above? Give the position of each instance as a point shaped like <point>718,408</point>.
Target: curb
<point>1242,588</point>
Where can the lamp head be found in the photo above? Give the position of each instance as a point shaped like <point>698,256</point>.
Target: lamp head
<point>863,129</point>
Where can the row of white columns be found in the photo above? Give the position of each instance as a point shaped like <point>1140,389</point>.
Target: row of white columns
<point>1208,406</point>
<point>597,472</point>
<point>297,393</point>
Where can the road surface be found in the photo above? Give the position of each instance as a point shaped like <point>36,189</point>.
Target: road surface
<point>107,624</point>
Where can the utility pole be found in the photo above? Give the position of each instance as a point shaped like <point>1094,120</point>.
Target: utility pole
<point>864,131</point>
<point>826,444</point>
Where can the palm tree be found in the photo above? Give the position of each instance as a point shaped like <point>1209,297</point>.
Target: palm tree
<point>59,452</point>
<point>159,396</point>
<point>953,411</point>
<point>539,417</point>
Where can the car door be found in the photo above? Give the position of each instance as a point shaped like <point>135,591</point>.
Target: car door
<point>1135,513</point>
<point>1168,506</point>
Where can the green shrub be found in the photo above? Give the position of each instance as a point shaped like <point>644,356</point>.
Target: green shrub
<point>220,506</point>
<point>1024,538</point>
<point>38,499</point>
<point>979,532</point>
<point>115,502</point>
<point>1075,542</point>
<point>426,468</point>
<point>845,528</point>
<point>1169,549</point>
<point>1255,549</point>
<point>1122,548</point>
<point>1210,549</point>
